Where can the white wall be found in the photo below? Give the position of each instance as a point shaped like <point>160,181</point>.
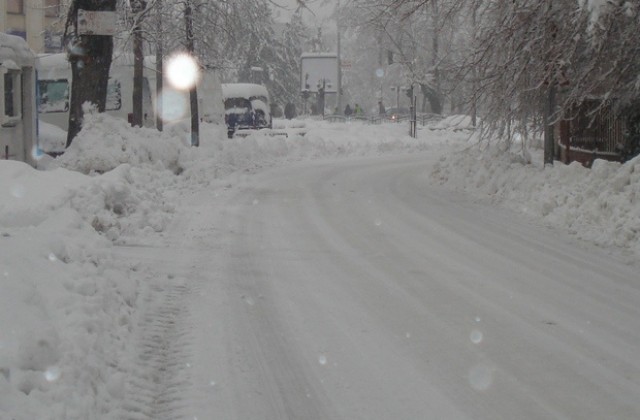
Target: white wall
<point>34,10</point>
<point>3,16</point>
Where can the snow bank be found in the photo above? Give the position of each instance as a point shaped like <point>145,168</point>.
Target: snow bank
<point>51,138</point>
<point>106,142</point>
<point>61,301</point>
<point>456,122</point>
<point>14,51</point>
<point>599,205</point>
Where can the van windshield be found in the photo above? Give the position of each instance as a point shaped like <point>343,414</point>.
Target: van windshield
<point>232,103</point>
<point>54,95</point>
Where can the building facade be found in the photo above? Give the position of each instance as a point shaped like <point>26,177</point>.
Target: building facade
<point>39,22</point>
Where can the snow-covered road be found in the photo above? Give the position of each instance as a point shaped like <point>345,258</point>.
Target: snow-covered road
<point>353,290</point>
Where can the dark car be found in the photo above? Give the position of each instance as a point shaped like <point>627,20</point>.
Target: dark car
<point>246,106</point>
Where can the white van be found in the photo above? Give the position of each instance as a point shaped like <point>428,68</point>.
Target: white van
<point>54,88</point>
<point>18,117</point>
<point>54,83</point>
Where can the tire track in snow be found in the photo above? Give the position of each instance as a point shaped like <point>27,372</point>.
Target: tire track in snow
<point>160,374</point>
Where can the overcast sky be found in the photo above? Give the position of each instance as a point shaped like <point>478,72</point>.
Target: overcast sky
<point>321,8</point>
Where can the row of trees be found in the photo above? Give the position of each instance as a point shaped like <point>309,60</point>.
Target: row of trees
<point>232,37</point>
<point>522,63</point>
<point>519,64</point>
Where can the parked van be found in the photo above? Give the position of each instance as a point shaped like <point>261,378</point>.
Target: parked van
<point>246,106</point>
<point>54,84</point>
<point>54,87</point>
<point>18,117</point>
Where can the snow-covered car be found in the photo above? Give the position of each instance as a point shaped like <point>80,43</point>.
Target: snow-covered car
<point>246,106</point>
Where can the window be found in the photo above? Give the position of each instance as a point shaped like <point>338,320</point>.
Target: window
<point>15,7</point>
<point>12,105</point>
<point>52,8</point>
<point>54,96</point>
<point>16,32</point>
<point>52,42</point>
<point>9,106</point>
<point>232,103</point>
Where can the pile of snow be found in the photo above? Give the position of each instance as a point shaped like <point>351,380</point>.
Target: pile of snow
<point>456,122</point>
<point>599,205</point>
<point>15,52</point>
<point>51,138</point>
<point>105,143</point>
<point>63,300</point>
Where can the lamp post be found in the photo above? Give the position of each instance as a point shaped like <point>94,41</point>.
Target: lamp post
<point>137,7</point>
<point>339,61</point>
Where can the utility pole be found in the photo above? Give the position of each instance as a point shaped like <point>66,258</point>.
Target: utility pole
<point>159,66</point>
<point>474,73</point>
<point>193,91</point>
<point>550,103</point>
<point>137,8</point>
<point>549,141</point>
<point>339,90</point>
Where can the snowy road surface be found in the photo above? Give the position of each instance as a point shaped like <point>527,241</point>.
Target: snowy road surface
<point>353,290</point>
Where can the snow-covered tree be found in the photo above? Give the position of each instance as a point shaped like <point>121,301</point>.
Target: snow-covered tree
<point>415,42</point>
<point>285,81</point>
<point>526,63</point>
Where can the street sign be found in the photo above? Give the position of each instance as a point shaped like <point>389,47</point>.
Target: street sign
<point>319,70</point>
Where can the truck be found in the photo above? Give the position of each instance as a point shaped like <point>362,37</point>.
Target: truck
<point>54,87</point>
<point>54,83</point>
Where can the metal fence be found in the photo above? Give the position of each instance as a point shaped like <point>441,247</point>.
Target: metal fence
<point>591,130</point>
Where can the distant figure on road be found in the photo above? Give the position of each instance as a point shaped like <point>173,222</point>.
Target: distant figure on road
<point>358,110</point>
<point>232,121</point>
<point>381,109</point>
<point>347,111</point>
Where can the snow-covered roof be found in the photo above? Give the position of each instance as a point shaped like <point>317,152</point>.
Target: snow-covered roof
<point>243,90</point>
<point>53,61</point>
<point>17,50</point>
<point>257,104</point>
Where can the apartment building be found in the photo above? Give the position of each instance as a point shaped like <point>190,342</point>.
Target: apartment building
<point>39,22</point>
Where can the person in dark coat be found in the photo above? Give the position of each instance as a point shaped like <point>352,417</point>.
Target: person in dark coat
<point>289,111</point>
<point>347,111</point>
<point>232,121</point>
